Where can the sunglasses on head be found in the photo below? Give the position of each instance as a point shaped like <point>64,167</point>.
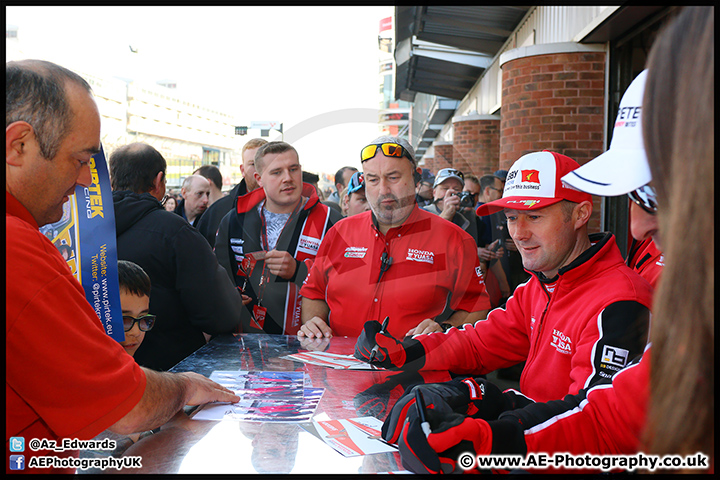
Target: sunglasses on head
<point>388,149</point>
<point>447,172</point>
<point>645,198</point>
<point>357,181</point>
<point>145,322</point>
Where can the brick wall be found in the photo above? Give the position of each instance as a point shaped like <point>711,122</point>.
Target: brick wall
<point>443,157</point>
<point>554,102</point>
<point>429,164</point>
<point>476,145</point>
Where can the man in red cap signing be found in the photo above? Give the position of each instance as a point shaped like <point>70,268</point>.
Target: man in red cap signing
<point>579,319</point>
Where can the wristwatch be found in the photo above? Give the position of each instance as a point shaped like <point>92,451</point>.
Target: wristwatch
<point>446,326</point>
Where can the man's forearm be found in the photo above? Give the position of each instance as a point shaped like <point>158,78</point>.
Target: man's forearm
<point>165,394</point>
<point>462,317</point>
<point>313,308</point>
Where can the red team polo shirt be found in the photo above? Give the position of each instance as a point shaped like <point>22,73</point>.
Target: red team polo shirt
<point>431,258</point>
<point>64,376</point>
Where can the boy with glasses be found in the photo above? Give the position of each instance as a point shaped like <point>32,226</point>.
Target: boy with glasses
<point>135,303</point>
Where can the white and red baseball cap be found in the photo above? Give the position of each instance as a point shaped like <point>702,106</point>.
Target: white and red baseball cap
<point>623,167</point>
<point>534,181</point>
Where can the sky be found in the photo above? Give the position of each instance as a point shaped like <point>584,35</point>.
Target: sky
<point>315,69</point>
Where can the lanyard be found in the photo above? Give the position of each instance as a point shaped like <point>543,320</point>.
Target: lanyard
<point>265,276</point>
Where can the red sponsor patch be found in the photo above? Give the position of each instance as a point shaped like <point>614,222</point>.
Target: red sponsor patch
<point>531,176</point>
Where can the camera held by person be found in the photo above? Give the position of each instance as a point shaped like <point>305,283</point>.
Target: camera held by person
<point>467,200</point>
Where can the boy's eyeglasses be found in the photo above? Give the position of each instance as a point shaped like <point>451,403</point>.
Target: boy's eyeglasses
<point>645,198</point>
<point>388,149</point>
<point>145,323</point>
<point>357,181</point>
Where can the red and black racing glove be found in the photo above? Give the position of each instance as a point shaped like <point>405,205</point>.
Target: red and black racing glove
<point>475,397</point>
<point>451,446</point>
<point>392,353</point>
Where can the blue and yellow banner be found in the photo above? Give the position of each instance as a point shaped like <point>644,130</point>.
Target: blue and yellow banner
<point>86,238</point>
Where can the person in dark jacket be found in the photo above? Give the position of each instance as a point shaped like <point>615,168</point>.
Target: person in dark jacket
<point>191,293</point>
<point>209,222</point>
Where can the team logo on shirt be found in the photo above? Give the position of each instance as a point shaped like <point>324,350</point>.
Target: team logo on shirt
<point>236,245</point>
<point>355,252</point>
<point>561,342</point>
<point>423,256</point>
<point>614,358</point>
<point>309,245</point>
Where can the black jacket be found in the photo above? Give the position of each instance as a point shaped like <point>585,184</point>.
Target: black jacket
<point>191,293</point>
<point>180,210</point>
<point>210,219</point>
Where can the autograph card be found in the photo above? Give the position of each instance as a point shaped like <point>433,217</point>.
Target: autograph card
<point>353,437</point>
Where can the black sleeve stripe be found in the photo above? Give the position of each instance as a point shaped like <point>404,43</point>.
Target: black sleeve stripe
<point>623,329</point>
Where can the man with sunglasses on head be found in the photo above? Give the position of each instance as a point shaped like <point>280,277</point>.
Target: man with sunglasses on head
<point>395,261</point>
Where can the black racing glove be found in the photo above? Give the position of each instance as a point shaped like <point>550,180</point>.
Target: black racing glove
<point>391,354</point>
<point>451,446</point>
<point>475,397</point>
<point>372,401</point>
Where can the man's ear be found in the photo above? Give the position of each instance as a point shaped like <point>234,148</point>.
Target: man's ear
<point>582,212</point>
<point>258,179</point>
<point>17,142</point>
<point>158,188</point>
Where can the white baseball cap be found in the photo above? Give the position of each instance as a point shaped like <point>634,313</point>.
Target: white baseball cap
<point>534,181</point>
<point>447,173</point>
<point>623,168</point>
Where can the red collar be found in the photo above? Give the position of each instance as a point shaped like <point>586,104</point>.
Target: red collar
<point>246,202</point>
<point>17,209</point>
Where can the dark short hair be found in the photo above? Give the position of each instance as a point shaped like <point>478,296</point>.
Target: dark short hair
<point>133,279</point>
<point>134,167</point>
<point>35,92</point>
<point>270,148</point>
<point>310,177</point>
<point>212,173</point>
<point>487,181</point>
<point>340,173</point>
<point>473,179</point>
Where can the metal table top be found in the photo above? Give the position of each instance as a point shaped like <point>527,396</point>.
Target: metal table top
<point>184,445</point>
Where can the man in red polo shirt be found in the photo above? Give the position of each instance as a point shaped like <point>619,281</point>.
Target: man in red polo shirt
<point>395,261</point>
<point>64,377</point>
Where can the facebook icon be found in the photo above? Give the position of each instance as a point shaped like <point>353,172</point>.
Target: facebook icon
<point>17,462</point>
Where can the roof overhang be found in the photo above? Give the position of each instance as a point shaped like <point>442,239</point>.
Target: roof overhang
<point>444,50</point>
<point>619,21</point>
